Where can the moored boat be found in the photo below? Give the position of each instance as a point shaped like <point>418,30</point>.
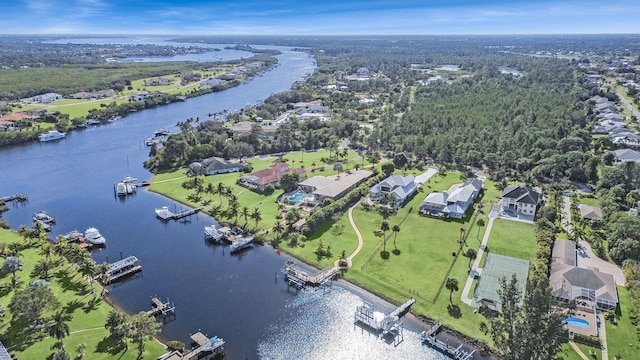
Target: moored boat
<point>93,236</point>
<point>51,135</point>
<point>121,189</point>
<point>164,213</point>
<point>43,216</point>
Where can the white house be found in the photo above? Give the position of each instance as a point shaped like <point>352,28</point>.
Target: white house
<point>401,187</point>
<point>521,199</point>
<point>453,203</point>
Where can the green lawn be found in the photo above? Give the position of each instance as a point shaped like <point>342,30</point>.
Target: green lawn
<point>622,338</point>
<point>426,246</point>
<point>72,290</point>
<point>515,239</point>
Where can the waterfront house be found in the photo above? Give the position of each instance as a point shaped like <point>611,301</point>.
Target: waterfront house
<point>521,199</point>
<point>214,166</point>
<point>570,282</point>
<point>46,98</point>
<point>272,175</point>
<point>334,187</point>
<point>401,188</point>
<point>454,202</point>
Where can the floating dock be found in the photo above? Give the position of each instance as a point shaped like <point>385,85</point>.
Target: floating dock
<point>163,309</point>
<point>297,277</point>
<point>19,197</point>
<point>458,353</point>
<point>122,268</point>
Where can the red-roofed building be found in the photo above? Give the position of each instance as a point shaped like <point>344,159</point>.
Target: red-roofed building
<point>8,120</point>
<point>259,179</point>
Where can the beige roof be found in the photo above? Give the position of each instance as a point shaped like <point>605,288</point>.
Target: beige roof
<point>334,186</point>
<point>590,212</point>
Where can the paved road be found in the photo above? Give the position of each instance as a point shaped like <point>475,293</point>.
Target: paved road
<point>628,104</point>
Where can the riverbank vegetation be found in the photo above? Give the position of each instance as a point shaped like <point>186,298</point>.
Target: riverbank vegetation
<point>51,306</point>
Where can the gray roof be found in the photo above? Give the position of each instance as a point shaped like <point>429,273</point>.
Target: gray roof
<point>564,274</point>
<point>590,212</point>
<point>627,155</point>
<point>522,195</point>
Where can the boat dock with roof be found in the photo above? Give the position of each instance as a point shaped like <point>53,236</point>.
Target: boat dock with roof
<point>122,268</point>
<point>298,277</point>
<point>383,324</point>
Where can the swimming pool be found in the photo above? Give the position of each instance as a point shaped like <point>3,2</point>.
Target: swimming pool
<point>510,213</point>
<point>575,322</point>
<point>296,198</point>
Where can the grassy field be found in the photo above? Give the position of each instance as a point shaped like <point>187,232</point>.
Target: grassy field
<point>515,239</point>
<point>89,313</point>
<point>622,339</point>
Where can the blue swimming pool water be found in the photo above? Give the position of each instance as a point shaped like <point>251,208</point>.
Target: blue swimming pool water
<point>579,323</point>
<point>510,213</point>
<point>296,198</point>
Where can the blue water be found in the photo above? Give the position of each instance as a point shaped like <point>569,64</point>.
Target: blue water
<point>296,198</point>
<point>576,322</point>
<point>242,297</point>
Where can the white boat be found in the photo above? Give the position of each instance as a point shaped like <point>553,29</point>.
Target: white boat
<point>212,232</point>
<point>164,213</point>
<point>93,236</point>
<point>73,235</point>
<point>161,132</point>
<point>129,179</point>
<point>93,122</point>
<point>121,189</point>
<point>42,216</point>
<point>241,242</point>
<point>52,135</point>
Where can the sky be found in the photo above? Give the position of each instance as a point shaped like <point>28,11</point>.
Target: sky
<point>319,17</point>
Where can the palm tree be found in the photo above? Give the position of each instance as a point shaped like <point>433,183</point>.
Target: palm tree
<point>58,327</point>
<point>384,227</point>
<point>461,239</point>
<point>210,189</point>
<point>278,229</point>
<point>245,214</point>
<point>220,189</point>
<point>47,250</point>
<point>256,215</point>
<point>396,230</point>
<point>471,254</point>
<point>480,224</point>
<point>88,270</point>
<point>451,285</point>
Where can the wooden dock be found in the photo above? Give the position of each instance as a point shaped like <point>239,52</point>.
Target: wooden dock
<point>159,308</point>
<point>206,347</point>
<point>165,214</point>
<point>455,352</point>
<point>298,277</point>
<point>18,197</point>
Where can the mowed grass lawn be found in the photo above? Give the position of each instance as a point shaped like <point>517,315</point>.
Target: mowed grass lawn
<point>89,312</point>
<point>622,339</point>
<point>425,256</point>
<point>512,238</point>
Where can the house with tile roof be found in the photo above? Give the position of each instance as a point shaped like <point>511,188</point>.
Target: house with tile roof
<point>521,199</point>
<point>402,188</point>
<point>334,187</point>
<point>454,202</point>
<point>272,175</point>
<point>571,282</point>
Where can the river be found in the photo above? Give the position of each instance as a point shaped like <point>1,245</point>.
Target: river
<point>241,298</point>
